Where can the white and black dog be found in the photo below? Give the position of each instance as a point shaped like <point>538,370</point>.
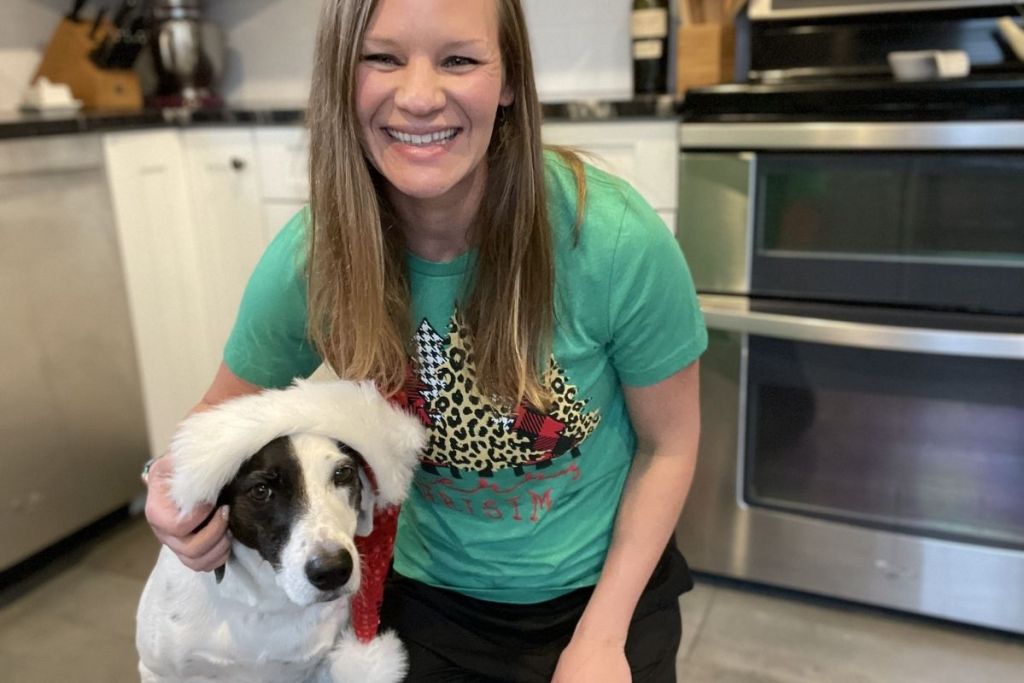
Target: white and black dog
<point>291,465</point>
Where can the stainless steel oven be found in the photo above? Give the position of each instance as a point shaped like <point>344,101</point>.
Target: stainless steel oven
<point>863,390</point>
<point>805,9</point>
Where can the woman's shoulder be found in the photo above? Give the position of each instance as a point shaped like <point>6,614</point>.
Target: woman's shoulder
<point>611,205</point>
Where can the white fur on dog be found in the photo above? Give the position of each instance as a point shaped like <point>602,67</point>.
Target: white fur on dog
<point>262,625</point>
<point>209,447</point>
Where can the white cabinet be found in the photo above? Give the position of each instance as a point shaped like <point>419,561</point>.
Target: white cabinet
<point>644,153</point>
<point>190,227</point>
<point>283,153</point>
<point>222,171</point>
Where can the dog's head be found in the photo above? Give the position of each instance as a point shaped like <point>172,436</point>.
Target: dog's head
<point>298,502</point>
<point>302,470</point>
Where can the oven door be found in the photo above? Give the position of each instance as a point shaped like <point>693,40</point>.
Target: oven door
<point>936,229</point>
<point>867,454</point>
<point>916,215</point>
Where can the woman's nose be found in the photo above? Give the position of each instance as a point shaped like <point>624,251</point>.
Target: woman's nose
<point>421,90</point>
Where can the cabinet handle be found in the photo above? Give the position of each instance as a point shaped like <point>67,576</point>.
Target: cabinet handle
<point>237,164</point>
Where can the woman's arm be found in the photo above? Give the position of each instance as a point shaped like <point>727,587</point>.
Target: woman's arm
<point>666,418</point>
<point>207,548</point>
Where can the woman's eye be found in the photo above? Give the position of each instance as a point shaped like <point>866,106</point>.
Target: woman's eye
<point>456,61</point>
<point>381,59</point>
<point>261,493</point>
<point>344,475</point>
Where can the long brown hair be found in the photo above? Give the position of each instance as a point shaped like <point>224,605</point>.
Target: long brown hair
<point>358,291</point>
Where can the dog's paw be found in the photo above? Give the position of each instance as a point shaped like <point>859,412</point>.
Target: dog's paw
<point>382,660</point>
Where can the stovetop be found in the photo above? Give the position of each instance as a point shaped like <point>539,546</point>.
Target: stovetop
<point>976,98</point>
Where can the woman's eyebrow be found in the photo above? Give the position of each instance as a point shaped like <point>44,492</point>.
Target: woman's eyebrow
<point>379,43</point>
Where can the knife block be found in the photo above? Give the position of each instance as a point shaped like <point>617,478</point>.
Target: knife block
<point>705,55</point>
<point>66,60</point>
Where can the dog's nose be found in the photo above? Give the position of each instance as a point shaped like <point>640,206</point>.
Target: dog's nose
<point>328,571</point>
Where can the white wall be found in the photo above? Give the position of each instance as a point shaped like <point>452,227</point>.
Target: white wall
<point>270,49</point>
<point>25,28</point>
<point>581,48</point>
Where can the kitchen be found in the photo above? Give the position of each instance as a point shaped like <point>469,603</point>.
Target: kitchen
<point>167,177</point>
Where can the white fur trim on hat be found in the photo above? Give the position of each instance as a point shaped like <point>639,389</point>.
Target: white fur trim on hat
<point>382,660</point>
<point>209,447</point>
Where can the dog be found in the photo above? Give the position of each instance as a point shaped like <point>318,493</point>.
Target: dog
<point>303,471</point>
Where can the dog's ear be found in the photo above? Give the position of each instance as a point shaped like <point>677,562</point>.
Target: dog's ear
<point>367,502</point>
<point>223,498</point>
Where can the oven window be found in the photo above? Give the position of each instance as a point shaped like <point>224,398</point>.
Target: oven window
<point>918,443</point>
<point>958,207</point>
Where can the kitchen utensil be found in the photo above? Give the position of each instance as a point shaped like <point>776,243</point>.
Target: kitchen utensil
<point>67,60</point>
<point>1013,34</point>
<point>188,54</point>
<point>97,22</point>
<point>76,9</point>
<point>123,42</point>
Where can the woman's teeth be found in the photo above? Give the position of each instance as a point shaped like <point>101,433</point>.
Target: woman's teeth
<point>420,140</point>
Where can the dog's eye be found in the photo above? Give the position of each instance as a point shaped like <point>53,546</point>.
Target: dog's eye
<point>344,475</point>
<point>261,493</point>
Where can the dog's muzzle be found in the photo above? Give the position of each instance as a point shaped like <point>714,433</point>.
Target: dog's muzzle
<point>329,570</point>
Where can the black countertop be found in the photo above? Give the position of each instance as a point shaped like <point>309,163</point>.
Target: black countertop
<point>24,124</point>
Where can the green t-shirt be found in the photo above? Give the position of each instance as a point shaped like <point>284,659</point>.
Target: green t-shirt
<point>513,508</point>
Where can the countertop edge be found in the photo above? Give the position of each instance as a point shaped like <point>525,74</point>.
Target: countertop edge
<point>23,124</point>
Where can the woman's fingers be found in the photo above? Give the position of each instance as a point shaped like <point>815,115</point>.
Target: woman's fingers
<point>200,544</point>
<point>213,557</point>
<point>203,545</point>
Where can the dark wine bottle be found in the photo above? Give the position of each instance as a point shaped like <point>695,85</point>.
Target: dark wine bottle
<point>650,46</point>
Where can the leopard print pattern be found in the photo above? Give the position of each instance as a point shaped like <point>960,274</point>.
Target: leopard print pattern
<point>470,431</point>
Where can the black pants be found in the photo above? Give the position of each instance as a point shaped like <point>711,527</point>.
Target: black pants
<point>452,638</point>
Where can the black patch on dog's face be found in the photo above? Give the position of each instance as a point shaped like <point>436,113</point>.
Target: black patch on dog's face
<point>265,497</point>
<point>354,485</point>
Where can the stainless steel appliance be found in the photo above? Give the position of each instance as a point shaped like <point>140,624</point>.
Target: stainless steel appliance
<point>72,429</point>
<point>858,247</point>
<point>188,54</point>
<point>803,9</point>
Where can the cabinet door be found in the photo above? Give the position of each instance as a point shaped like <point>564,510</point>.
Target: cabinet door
<point>284,156</point>
<point>224,188</point>
<point>643,153</point>
<point>158,244</point>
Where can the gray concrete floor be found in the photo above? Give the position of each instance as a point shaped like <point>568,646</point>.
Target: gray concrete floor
<point>73,620</point>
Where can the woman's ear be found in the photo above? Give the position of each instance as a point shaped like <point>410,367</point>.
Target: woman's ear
<point>507,96</point>
<point>367,503</point>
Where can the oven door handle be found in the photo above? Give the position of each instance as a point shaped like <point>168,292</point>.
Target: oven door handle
<point>732,314</point>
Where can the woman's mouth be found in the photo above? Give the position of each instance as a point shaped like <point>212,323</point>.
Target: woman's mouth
<point>438,137</point>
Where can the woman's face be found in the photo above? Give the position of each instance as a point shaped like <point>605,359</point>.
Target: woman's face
<point>428,87</point>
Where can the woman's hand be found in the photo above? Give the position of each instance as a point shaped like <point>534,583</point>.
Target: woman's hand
<point>592,661</point>
<point>201,549</point>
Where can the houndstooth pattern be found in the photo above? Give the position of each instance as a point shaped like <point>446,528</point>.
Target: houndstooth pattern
<point>429,357</point>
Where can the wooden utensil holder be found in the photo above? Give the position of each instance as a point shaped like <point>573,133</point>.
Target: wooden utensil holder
<point>705,55</point>
<point>66,60</point>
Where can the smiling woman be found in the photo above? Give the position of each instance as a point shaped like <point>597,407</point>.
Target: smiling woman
<point>427,100</point>
<point>407,68</point>
<point>532,312</point>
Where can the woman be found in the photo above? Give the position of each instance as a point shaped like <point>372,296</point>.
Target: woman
<point>536,315</point>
